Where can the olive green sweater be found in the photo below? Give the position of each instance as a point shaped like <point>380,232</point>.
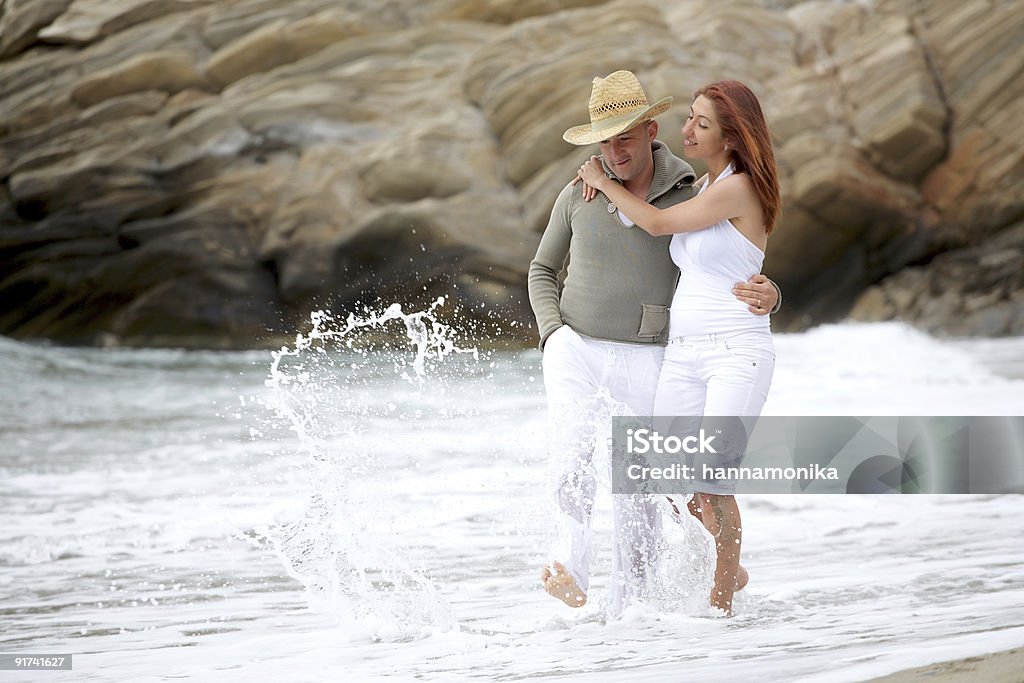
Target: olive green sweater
<point>620,280</point>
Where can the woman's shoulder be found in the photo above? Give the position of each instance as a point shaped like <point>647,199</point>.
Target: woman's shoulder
<point>739,189</point>
<point>739,185</point>
<point>740,179</point>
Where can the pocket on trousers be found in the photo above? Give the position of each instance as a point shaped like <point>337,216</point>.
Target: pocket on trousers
<point>653,319</point>
<point>751,354</point>
<point>556,337</point>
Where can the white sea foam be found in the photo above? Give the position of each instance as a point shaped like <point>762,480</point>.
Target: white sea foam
<point>140,491</point>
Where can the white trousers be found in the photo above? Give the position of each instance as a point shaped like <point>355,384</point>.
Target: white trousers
<point>716,375</point>
<point>587,381</point>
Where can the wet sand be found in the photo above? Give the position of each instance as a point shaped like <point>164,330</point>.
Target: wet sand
<point>998,667</point>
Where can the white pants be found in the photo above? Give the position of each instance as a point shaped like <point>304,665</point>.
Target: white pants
<point>716,375</point>
<point>587,381</point>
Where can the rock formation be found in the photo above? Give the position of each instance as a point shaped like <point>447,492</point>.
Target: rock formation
<point>205,172</point>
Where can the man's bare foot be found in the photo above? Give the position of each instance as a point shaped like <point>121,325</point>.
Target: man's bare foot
<point>676,511</point>
<point>559,583</point>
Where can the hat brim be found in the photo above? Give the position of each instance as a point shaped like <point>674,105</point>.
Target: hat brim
<point>588,135</point>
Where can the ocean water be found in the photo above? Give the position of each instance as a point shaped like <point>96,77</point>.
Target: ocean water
<point>342,513</point>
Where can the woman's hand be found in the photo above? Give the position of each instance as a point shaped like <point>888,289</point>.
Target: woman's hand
<point>592,173</point>
<point>593,170</point>
<point>588,191</point>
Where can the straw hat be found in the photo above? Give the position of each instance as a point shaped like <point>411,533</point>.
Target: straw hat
<point>617,103</point>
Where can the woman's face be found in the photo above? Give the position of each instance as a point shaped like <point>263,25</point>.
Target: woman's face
<point>702,136</point>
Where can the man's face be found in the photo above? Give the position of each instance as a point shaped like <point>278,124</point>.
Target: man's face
<point>628,154</point>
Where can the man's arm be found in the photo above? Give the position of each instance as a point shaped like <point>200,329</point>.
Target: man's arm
<point>761,295</point>
<point>547,264</point>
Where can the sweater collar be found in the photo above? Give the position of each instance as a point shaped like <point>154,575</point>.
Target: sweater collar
<point>669,171</point>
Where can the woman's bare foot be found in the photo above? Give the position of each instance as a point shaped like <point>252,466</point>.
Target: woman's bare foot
<point>722,599</point>
<point>559,583</point>
<point>742,577</point>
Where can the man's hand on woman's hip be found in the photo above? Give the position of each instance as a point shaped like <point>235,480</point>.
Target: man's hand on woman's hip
<point>761,295</point>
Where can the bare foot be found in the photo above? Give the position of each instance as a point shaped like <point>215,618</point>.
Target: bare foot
<point>742,577</point>
<point>677,513</point>
<point>559,583</point>
<point>722,600</point>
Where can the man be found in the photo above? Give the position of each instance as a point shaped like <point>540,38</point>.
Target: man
<point>603,332</point>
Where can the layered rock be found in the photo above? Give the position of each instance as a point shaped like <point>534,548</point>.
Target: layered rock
<point>971,291</point>
<point>204,172</point>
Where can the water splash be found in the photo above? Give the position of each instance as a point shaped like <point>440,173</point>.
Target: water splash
<point>338,389</point>
<point>677,553</point>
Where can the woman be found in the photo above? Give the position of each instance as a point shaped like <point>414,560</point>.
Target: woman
<point>720,357</point>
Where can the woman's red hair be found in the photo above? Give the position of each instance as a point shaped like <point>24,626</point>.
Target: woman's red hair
<point>750,144</point>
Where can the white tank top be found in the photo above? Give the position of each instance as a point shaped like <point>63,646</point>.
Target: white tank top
<point>711,260</point>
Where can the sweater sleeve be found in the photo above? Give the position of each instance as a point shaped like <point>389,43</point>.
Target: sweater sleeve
<point>778,304</point>
<point>547,264</point>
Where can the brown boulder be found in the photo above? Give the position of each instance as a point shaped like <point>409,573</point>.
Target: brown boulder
<point>87,21</point>
<point>169,72</point>
<point>278,43</point>
<point>326,154</point>
<point>972,291</point>
<point>20,21</point>
<point>977,53</point>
